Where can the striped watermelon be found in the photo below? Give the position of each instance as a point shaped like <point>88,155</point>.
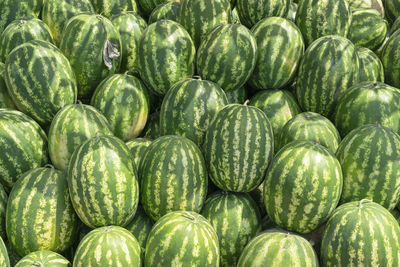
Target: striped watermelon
<point>56,13</point>
<point>137,147</point>
<point>173,176</point>
<point>4,259</point>
<point>152,129</point>
<point>201,101</point>
<point>92,45</point>
<point>369,157</point>
<point>302,186</point>
<point>5,99</point>
<point>292,11</point>
<point>124,101</point>
<point>189,240</point>
<point>390,57</point>
<point>238,148</point>
<point>227,56</point>
<point>376,4</point>
<point>361,233</point>
<point>140,226</point>
<point>310,126</point>
<point>23,146</point>
<point>363,101</point>
<point>236,96</point>
<point>108,8</point>
<point>108,246</point>
<point>21,31</point>
<point>168,10</point>
<point>14,9</point>
<point>72,126</point>
<point>318,18</point>
<point>278,248</point>
<point>280,48</point>
<point>40,80</point>
<point>3,207</point>
<point>395,26</point>
<point>147,6</point>
<point>236,220</point>
<point>103,183</point>
<point>39,213</point>
<point>371,68</point>
<point>252,11</point>
<point>396,214</point>
<point>130,27</point>
<point>200,16</point>
<point>166,55</point>
<point>329,67</point>
<point>392,9</point>
<point>279,106</point>
<point>43,258</point>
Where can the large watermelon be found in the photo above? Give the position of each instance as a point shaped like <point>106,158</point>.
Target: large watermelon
<point>5,99</point>
<point>390,57</point>
<point>152,129</point>
<point>182,238</point>
<point>43,258</point>
<point>140,226</point>
<point>237,96</point>
<point>14,9</point>
<point>392,9</point>
<point>168,10</point>
<point>103,182</point>
<point>189,107</point>
<point>173,176</point>
<point>108,8</point>
<point>376,4</point>
<point>39,212</point>
<point>138,147</point>
<point>371,68</point>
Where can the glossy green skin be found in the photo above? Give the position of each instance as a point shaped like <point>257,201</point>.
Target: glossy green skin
<point>5,99</point>
<point>390,59</point>
<point>108,8</point>
<point>392,9</point>
<point>43,258</point>
<point>138,147</point>
<point>168,10</point>
<point>14,9</point>
<point>371,67</point>
<point>140,226</point>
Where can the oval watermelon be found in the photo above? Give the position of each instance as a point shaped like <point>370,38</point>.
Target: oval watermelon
<point>43,258</point>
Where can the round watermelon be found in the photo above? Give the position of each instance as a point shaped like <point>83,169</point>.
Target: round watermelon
<point>147,6</point>
<point>138,147</point>
<point>390,56</point>
<point>168,10</point>
<point>14,9</point>
<point>376,4</point>
<point>108,8</point>
<point>237,96</point>
<point>371,68</point>
<point>43,258</point>
<point>392,9</point>
<point>140,226</point>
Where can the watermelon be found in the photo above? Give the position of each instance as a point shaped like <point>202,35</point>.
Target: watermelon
<point>280,48</point>
<point>396,214</point>
<point>361,233</point>
<point>140,226</point>
<point>292,11</point>
<point>395,26</point>
<point>108,8</point>
<point>201,101</point>
<point>279,106</point>
<point>5,99</point>
<point>72,126</point>
<point>392,9</point>
<point>56,13</point>
<point>329,67</point>
<point>3,207</point>
<point>168,10</point>
<point>130,27</point>
<point>363,101</point>
<point>238,148</point>
<point>92,44</point>
<point>14,9</point>
<point>43,258</point>
<point>390,57</point>
<point>371,68</point>
<point>137,147</point>
<point>200,16</point>
<point>152,129</point>
<point>173,176</point>
<point>39,213</point>
<point>40,80</point>
<point>376,4</point>
<point>236,96</point>
<point>252,11</point>
<point>236,220</point>
<point>21,31</point>
<point>124,101</point>
<point>302,186</point>
<point>188,240</point>
<point>103,182</point>
<point>4,259</point>
<point>310,126</point>
<point>166,55</point>
<point>227,56</point>
<point>108,246</point>
<point>23,143</point>
<point>278,248</point>
<point>318,18</point>
<point>147,6</point>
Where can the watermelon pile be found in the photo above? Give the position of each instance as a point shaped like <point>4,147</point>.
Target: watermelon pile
<point>191,133</point>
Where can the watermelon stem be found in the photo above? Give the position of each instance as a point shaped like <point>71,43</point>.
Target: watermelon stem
<point>362,201</point>
<point>246,102</point>
<point>48,165</point>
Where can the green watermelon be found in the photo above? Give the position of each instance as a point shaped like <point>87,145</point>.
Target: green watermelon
<point>140,226</point>
<point>252,11</point>
<point>363,101</point>
<point>361,233</point>
<point>280,48</point>
<point>103,182</point>
<point>43,258</point>
<point>130,27</point>
<point>166,55</point>
<point>182,238</point>
<point>396,214</point>
<point>108,246</point>
<point>40,80</point>
<point>72,126</point>
<point>376,4</point>
<point>56,13</point>
<point>4,259</point>
<point>302,186</point>
<point>5,99</point>
<point>395,26</point>
<point>292,11</point>
<point>108,8</point>
<point>21,31</point>
<point>23,143</point>
<point>189,107</point>
<point>173,176</point>
<point>39,213</point>
<point>152,128</point>
<point>14,9</point>
<point>200,16</point>
<point>3,207</point>
<point>390,57</point>
<point>236,96</point>
<point>279,106</point>
<point>310,126</point>
<point>137,147</point>
<point>227,56</point>
<point>392,9</point>
<point>371,68</point>
<point>168,10</point>
<point>147,6</point>
<point>278,248</point>
<point>329,67</point>
<point>92,45</point>
<point>124,101</point>
<point>318,18</point>
<point>238,148</point>
<point>236,220</point>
